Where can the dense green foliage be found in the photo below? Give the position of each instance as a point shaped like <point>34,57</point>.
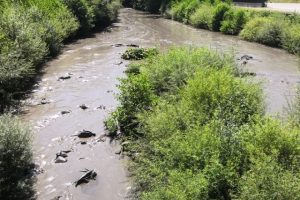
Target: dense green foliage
<point>271,28</point>
<point>15,159</point>
<point>196,130</point>
<point>31,31</point>
<point>263,30</point>
<point>139,53</point>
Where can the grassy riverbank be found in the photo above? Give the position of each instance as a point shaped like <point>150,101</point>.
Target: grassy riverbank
<point>32,31</point>
<point>271,28</point>
<point>195,129</point>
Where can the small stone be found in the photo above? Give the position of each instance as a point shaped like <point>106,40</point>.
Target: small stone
<point>44,101</point>
<point>64,77</point>
<point>118,45</point>
<point>64,112</point>
<point>83,143</point>
<point>60,159</point>
<point>61,154</point>
<point>101,107</point>
<point>85,134</point>
<point>83,107</point>
<point>246,57</point>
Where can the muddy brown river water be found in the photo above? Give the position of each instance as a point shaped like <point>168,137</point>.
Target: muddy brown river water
<point>94,65</point>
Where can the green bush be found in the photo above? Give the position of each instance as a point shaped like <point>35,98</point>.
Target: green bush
<point>234,22</point>
<point>264,30</point>
<point>291,38</point>
<point>83,13</point>
<point>63,21</point>
<point>139,53</point>
<point>294,109</point>
<point>178,11</point>
<point>180,64</point>
<point>202,17</point>
<point>219,95</point>
<point>15,159</point>
<point>136,96</point>
<point>268,181</point>
<point>202,133</point>
<point>219,15</point>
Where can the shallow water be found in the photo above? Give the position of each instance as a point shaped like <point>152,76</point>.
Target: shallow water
<point>95,64</point>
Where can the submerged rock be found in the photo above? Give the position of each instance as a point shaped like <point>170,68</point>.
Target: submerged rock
<point>246,57</point>
<point>44,101</point>
<point>65,77</point>
<point>60,159</point>
<point>101,107</point>
<point>118,45</point>
<point>61,154</point>
<point>64,112</point>
<point>83,106</point>
<point>89,175</point>
<point>85,134</point>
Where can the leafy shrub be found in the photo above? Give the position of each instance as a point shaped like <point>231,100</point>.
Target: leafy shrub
<point>133,68</point>
<point>218,15</point>
<point>83,13</point>
<point>15,159</point>
<point>264,30</point>
<point>202,133</point>
<point>202,17</point>
<point>268,181</point>
<point>178,11</point>
<point>222,97</point>
<point>180,64</point>
<point>105,11</point>
<point>139,53</point>
<point>291,38</point>
<point>62,20</point>
<point>234,22</point>
<point>294,110</point>
<point>136,96</point>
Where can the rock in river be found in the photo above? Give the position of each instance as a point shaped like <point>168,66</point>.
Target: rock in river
<point>89,175</point>
<point>65,77</point>
<point>60,159</point>
<point>83,106</point>
<point>85,134</point>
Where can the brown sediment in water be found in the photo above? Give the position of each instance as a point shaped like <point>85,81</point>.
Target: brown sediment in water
<point>94,72</point>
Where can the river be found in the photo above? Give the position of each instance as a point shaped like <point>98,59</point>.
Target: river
<point>94,65</point>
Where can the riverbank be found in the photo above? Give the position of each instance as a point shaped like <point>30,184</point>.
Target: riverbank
<point>271,28</point>
<point>34,31</point>
<point>195,128</point>
<point>31,33</point>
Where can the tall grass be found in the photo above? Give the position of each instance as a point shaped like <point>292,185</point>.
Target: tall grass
<point>196,130</point>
